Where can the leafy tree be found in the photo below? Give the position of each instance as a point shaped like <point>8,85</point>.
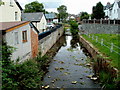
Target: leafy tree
<point>98,12</point>
<point>22,76</point>
<point>84,15</point>
<point>74,27</point>
<point>34,7</point>
<point>62,12</point>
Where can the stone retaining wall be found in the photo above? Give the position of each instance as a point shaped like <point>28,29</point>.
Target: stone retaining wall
<point>101,28</point>
<point>47,42</point>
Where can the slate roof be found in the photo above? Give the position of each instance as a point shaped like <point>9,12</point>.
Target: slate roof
<point>9,25</point>
<point>34,17</point>
<point>119,4</point>
<point>50,16</point>
<point>109,6</point>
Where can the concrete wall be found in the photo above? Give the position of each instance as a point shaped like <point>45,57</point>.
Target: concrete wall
<point>7,11</point>
<point>101,28</point>
<point>46,43</point>
<point>23,49</point>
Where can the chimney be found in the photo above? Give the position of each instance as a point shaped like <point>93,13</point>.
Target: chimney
<point>108,3</point>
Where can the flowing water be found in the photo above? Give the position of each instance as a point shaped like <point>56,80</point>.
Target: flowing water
<point>68,66</point>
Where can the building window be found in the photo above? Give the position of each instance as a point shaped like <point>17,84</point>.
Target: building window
<point>24,36</point>
<point>16,38</point>
<point>114,11</point>
<point>16,16</point>
<point>117,10</point>
<point>11,3</point>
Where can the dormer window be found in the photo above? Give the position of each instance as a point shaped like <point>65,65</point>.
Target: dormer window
<point>11,3</point>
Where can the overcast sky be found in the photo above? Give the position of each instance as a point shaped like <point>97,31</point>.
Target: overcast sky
<point>73,6</point>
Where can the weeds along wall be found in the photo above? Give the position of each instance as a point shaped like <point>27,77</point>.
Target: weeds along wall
<point>48,41</point>
<point>101,28</point>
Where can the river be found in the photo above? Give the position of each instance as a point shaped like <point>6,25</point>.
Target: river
<point>68,67</point>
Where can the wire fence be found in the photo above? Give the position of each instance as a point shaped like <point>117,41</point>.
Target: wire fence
<point>110,45</point>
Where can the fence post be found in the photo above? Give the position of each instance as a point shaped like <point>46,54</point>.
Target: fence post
<point>94,20</point>
<point>114,21</point>
<point>101,21</point>
<point>111,49</point>
<point>92,37</point>
<point>108,21</point>
<point>96,38</point>
<point>89,35</point>
<point>102,41</point>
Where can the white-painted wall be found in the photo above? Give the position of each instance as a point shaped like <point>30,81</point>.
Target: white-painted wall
<point>115,11</point>
<point>7,11</point>
<point>55,20</point>
<point>41,25</point>
<point>22,49</point>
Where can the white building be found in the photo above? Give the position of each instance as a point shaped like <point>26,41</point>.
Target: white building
<point>112,11</point>
<point>10,10</point>
<point>38,19</point>
<point>19,35</point>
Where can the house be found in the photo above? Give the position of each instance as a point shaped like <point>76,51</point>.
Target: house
<point>23,37</point>
<point>116,10</point>
<point>108,10</point>
<point>38,19</point>
<point>112,11</point>
<point>51,17</point>
<point>10,10</point>
<point>71,17</point>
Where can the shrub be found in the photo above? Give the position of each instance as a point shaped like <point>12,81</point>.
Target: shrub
<point>74,27</point>
<point>21,76</point>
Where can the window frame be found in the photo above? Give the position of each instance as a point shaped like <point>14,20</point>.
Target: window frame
<point>16,38</point>
<point>16,16</point>
<point>24,36</point>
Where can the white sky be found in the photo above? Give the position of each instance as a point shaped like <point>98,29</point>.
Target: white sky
<point>73,6</point>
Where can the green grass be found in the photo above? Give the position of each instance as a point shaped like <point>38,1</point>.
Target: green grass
<point>108,38</point>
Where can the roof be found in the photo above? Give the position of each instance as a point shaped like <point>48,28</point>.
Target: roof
<point>32,16</point>
<point>108,6</point>
<point>18,5</point>
<point>119,4</point>
<point>32,26</point>
<point>9,25</point>
<point>50,16</point>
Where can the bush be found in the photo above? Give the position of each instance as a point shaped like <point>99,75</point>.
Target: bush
<point>21,76</point>
<point>74,27</point>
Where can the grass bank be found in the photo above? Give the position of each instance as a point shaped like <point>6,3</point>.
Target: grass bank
<point>107,40</point>
<point>103,44</point>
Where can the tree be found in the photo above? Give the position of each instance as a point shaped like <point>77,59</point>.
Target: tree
<point>84,15</point>
<point>98,12</point>
<point>62,12</point>
<point>34,7</point>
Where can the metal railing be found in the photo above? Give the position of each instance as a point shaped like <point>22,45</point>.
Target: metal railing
<point>46,33</point>
<point>101,21</point>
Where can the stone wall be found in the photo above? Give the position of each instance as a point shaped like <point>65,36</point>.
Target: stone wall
<point>47,42</point>
<point>101,28</point>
